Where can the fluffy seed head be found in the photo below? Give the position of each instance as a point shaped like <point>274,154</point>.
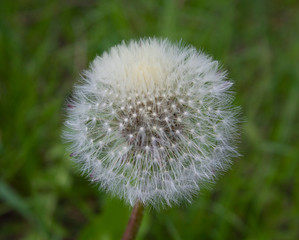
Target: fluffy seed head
<point>152,121</point>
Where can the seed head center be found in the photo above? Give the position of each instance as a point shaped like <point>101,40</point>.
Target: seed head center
<point>151,122</point>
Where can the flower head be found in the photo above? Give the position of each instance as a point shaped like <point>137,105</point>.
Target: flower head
<point>152,121</point>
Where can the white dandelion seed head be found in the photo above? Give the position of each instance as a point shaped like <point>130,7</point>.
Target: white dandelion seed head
<point>152,121</point>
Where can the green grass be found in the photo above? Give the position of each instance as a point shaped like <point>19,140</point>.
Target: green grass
<point>44,45</point>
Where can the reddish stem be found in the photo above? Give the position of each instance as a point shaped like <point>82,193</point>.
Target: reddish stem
<point>134,222</point>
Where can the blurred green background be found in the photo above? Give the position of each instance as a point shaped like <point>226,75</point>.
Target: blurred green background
<point>44,45</point>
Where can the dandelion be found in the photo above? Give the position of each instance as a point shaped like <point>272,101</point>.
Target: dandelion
<point>152,122</point>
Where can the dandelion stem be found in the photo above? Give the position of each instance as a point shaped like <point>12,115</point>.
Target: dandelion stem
<point>134,222</point>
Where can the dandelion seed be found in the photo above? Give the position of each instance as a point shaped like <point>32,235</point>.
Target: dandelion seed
<point>158,125</point>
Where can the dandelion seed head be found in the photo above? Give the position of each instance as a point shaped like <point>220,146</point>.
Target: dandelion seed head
<point>153,121</point>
